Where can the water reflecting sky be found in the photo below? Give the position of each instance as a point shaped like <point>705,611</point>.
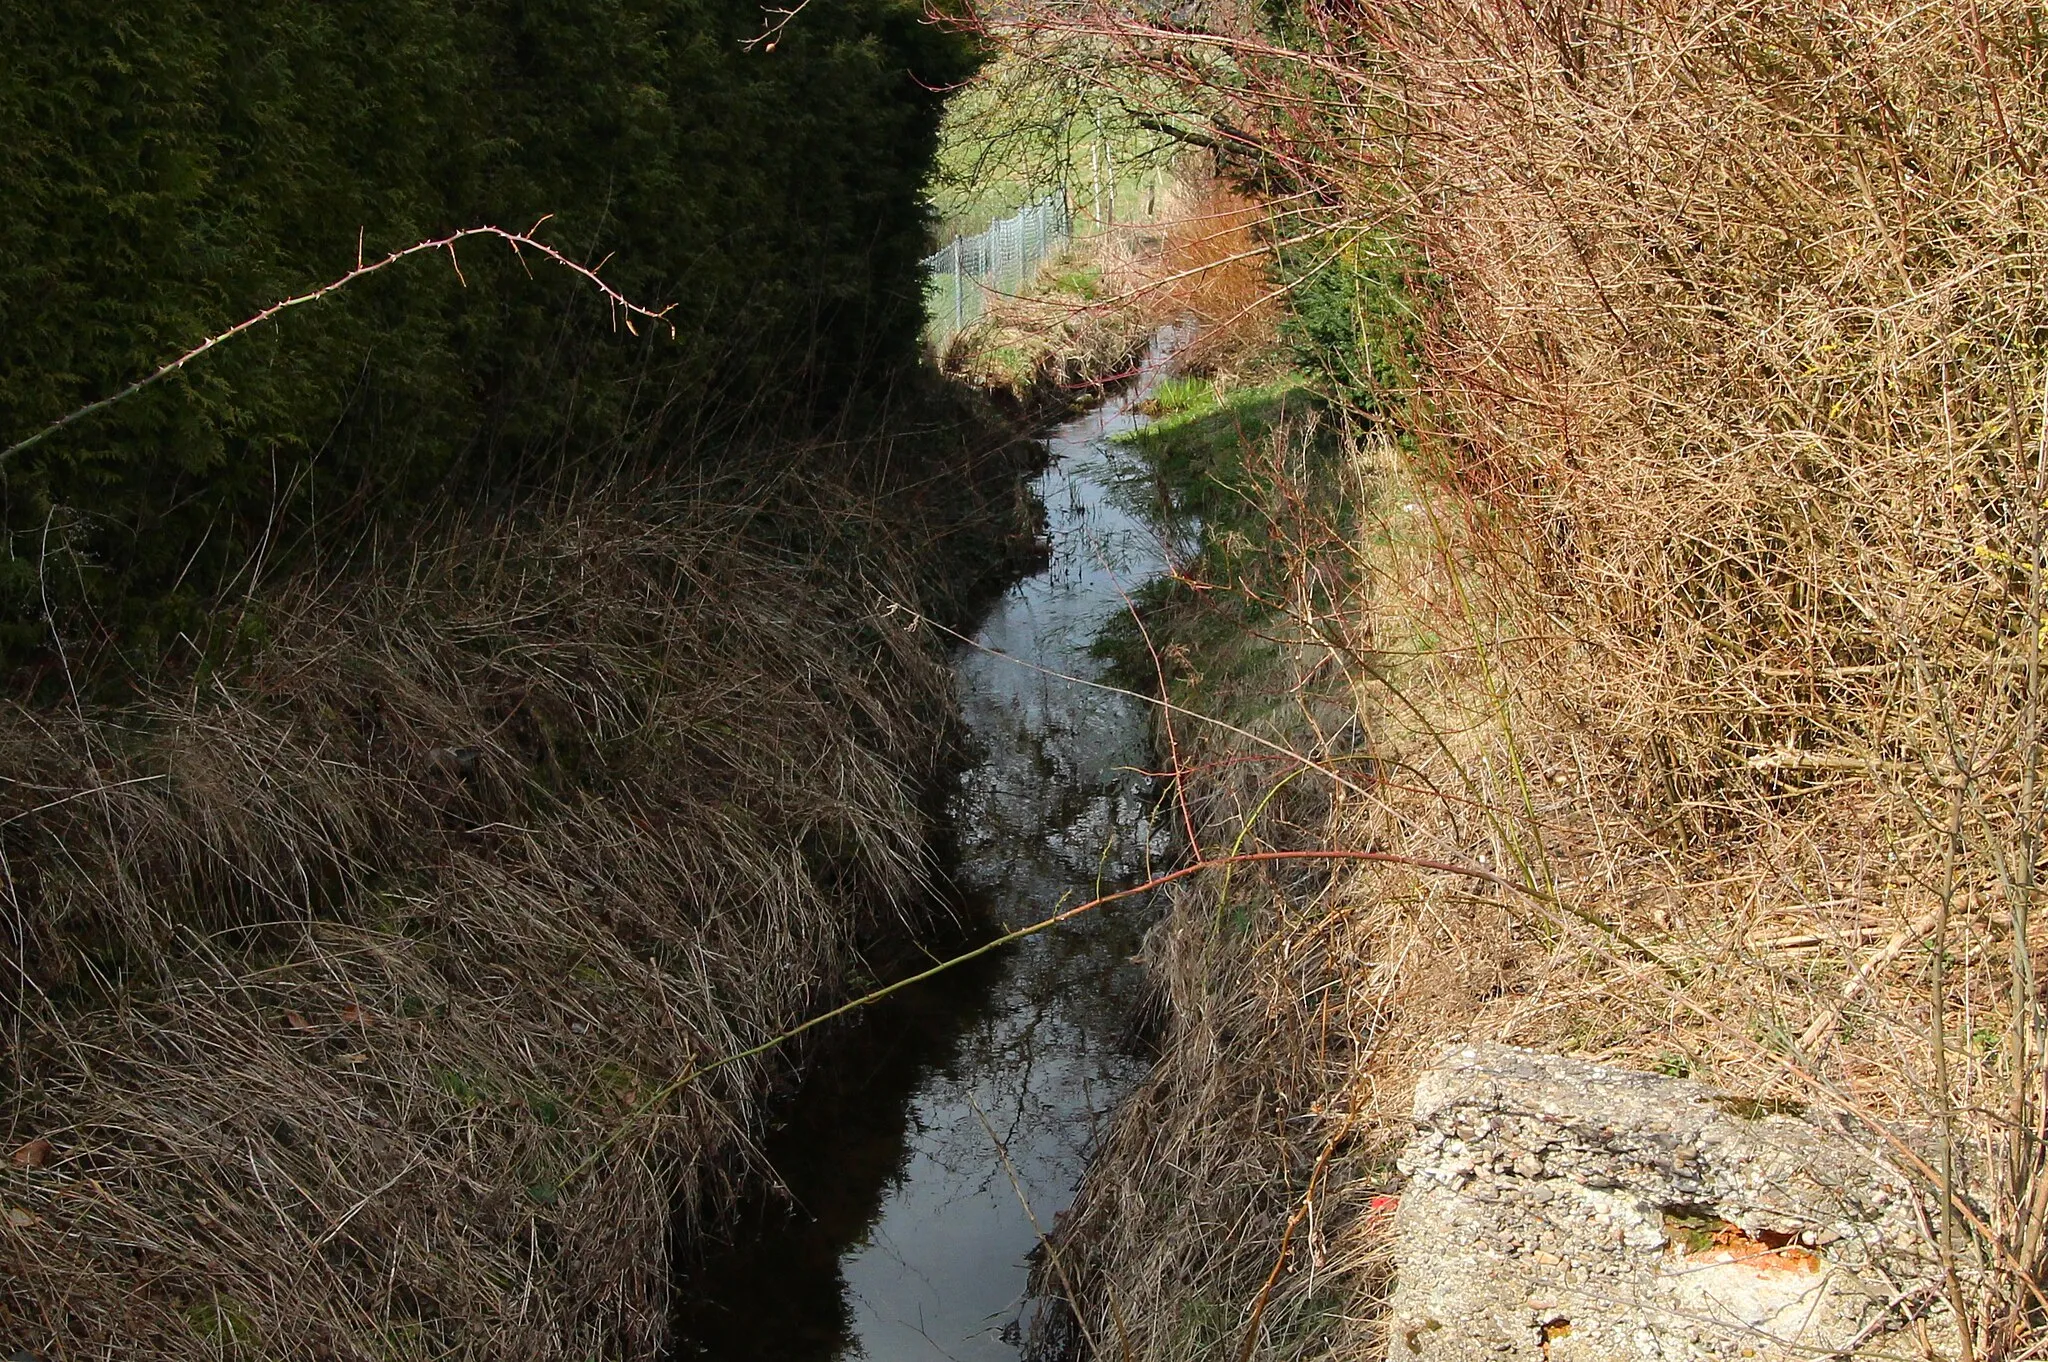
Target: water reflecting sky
<point>919,1167</point>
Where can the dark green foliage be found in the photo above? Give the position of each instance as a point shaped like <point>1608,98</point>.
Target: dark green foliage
<point>168,168</point>
<point>1351,317</point>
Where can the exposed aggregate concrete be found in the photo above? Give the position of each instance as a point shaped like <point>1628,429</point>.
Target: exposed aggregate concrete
<point>1567,1211</point>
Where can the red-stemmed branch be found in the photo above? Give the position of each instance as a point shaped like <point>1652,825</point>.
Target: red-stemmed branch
<point>707,1067</point>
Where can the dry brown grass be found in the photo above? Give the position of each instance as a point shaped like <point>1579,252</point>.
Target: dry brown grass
<point>1720,613</point>
<point>1743,336</point>
<point>336,982</point>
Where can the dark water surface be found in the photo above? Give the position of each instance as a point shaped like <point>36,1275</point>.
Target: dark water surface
<point>923,1161</point>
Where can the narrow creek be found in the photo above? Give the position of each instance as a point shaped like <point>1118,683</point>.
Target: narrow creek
<point>922,1163</point>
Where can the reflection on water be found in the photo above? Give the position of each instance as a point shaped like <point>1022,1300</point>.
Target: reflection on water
<point>922,1162</point>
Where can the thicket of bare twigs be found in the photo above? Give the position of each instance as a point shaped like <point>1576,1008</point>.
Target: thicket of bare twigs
<point>1699,588</point>
<point>343,987</point>
<point>1213,274</point>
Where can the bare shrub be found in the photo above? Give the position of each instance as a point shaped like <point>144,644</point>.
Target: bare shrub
<point>1743,307</point>
<point>1216,272</point>
<point>1726,440</point>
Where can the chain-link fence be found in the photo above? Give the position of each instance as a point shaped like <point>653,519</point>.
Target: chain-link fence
<point>1001,260</point>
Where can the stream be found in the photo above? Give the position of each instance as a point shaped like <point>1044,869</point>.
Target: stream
<point>923,1161</point>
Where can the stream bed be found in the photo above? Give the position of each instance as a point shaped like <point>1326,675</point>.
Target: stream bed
<point>923,1161</point>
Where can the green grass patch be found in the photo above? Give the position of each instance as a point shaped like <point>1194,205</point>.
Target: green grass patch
<point>1084,283</point>
<point>1209,452</point>
<point>1179,396</point>
<point>226,1323</point>
<point>1200,437</point>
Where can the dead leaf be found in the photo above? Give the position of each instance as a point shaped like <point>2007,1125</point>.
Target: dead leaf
<point>297,1021</point>
<point>355,1016</point>
<point>19,1219</point>
<point>362,1058</point>
<point>34,1154</point>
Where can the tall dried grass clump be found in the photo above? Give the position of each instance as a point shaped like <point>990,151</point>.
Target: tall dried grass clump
<point>343,985</point>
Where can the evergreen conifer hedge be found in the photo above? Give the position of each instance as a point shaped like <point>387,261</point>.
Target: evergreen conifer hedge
<point>169,167</point>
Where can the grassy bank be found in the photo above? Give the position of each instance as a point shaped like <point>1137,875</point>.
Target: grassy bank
<point>349,980</point>
<point>1170,1250</point>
